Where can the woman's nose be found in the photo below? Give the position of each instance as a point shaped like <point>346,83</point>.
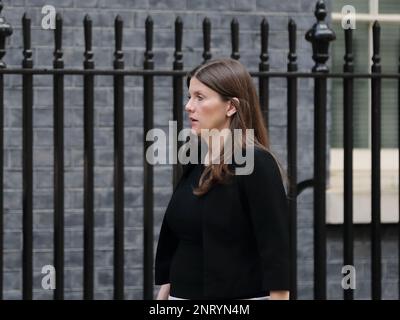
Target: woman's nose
<point>189,107</point>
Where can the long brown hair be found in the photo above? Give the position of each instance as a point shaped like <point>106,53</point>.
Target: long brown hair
<point>229,78</point>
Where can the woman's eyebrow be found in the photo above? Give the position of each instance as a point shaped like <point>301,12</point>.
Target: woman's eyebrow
<point>197,92</point>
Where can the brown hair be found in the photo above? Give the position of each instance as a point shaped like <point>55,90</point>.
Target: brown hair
<point>229,78</point>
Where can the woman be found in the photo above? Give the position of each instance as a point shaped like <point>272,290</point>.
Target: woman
<point>224,235</point>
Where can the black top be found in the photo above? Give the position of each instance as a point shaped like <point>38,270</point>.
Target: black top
<point>184,219</point>
<point>245,234</point>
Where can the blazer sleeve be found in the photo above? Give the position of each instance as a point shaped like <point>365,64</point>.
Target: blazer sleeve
<point>268,210</point>
<point>167,244</point>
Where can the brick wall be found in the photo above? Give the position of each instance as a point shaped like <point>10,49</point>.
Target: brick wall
<point>134,13</point>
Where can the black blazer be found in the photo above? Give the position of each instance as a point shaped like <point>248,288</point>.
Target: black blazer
<point>245,234</point>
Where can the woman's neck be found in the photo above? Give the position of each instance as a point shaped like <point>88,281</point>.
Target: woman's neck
<point>215,142</point>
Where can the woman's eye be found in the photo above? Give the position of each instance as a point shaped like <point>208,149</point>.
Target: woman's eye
<point>200,98</point>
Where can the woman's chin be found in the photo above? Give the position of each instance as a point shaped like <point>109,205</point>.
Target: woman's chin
<point>195,130</point>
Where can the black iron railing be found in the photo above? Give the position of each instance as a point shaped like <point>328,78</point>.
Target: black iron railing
<point>319,35</point>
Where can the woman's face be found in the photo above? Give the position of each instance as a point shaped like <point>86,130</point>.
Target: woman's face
<point>205,108</point>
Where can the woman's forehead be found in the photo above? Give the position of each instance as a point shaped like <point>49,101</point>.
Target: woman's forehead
<point>197,87</point>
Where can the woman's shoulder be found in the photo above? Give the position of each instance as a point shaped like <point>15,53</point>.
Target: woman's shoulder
<point>255,158</point>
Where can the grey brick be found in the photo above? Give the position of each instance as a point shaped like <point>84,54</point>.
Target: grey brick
<point>133,197</point>
<point>74,199</point>
<point>133,259</point>
<point>73,295</point>
<point>9,3</point>
<point>133,238</point>
<point>244,5</point>
<point>363,290</point>
<point>41,294</point>
<point>87,4</point>
<point>73,259</point>
<point>103,294</point>
<point>73,219</point>
<point>390,290</point>
<point>73,239</point>
<point>134,217</point>
<point>12,199</point>
<point>12,240</point>
<point>125,4</point>
<point>334,291</point>
<point>104,278</point>
<point>104,238</point>
<point>309,5</point>
<point>13,97</point>
<point>160,19</point>
<point>12,295</point>
<point>305,291</point>
<point>209,5</point>
<point>104,258</point>
<point>13,220</point>
<point>133,278</point>
<point>133,177</point>
<point>43,219</point>
<point>43,198</point>
<point>12,259</point>
<point>12,179</point>
<point>42,258</point>
<point>42,239</point>
<point>12,280</point>
<point>334,250</point>
<point>134,294</point>
<point>278,6</point>
<point>390,270</point>
<point>167,4</point>
<point>55,3</point>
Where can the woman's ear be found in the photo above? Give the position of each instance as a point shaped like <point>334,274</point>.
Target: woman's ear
<point>231,107</point>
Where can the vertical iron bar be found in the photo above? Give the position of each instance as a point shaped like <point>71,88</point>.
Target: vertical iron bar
<point>88,101</point>
<point>177,95</point>
<point>5,31</point>
<point>292,155</point>
<point>118,165</point>
<point>348,245</point>
<point>376,271</point>
<point>148,217</point>
<point>263,82</point>
<point>320,35</point>
<point>319,190</point>
<point>1,181</point>
<point>27,103</point>
<point>206,39</point>
<point>235,39</point>
<point>58,100</point>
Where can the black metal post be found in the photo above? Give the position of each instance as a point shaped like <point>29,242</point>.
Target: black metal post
<point>88,103</point>
<point>348,244</point>
<point>118,165</point>
<point>320,35</point>
<point>263,82</point>
<point>206,39</point>
<point>148,167</point>
<point>27,162</point>
<point>177,95</point>
<point>5,31</point>
<point>292,155</point>
<point>235,39</point>
<point>376,269</point>
<point>58,100</point>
